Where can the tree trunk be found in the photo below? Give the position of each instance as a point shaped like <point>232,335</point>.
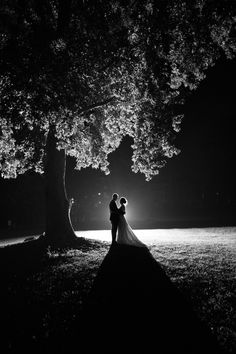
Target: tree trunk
<point>59,231</point>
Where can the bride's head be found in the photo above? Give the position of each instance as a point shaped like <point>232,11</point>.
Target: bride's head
<point>123,201</point>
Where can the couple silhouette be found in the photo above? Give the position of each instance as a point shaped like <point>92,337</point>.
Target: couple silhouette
<point>134,307</point>
<point>121,231</point>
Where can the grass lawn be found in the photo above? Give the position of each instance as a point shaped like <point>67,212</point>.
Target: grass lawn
<point>43,299</point>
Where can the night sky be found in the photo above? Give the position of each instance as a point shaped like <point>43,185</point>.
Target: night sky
<point>196,188</point>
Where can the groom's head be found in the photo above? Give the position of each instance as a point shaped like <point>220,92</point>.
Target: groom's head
<point>115,196</point>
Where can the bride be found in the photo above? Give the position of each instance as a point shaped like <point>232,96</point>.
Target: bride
<point>126,235</point>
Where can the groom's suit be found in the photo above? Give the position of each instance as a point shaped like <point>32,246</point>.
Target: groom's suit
<point>114,218</point>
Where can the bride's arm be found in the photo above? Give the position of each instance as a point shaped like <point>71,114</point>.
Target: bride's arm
<point>122,209</point>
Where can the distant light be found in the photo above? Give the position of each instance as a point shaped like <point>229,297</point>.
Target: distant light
<point>99,193</point>
<point>196,236</point>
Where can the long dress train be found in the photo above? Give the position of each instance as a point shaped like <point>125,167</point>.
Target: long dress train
<point>126,235</point>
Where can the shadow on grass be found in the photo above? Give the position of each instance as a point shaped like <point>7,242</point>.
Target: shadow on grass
<point>28,256</point>
<point>24,319</point>
<point>133,307</point>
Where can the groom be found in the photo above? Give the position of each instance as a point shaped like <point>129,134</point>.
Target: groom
<point>114,216</point>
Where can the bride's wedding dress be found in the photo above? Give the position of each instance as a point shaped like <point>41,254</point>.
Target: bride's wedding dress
<point>126,235</point>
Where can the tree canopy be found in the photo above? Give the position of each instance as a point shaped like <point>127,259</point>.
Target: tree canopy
<point>92,72</point>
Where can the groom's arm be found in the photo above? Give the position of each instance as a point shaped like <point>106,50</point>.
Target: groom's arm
<point>113,207</point>
<point>121,211</point>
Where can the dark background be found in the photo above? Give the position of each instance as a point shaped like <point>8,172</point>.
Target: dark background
<point>196,188</point>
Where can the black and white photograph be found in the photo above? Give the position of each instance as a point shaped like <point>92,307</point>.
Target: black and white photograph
<point>117,176</point>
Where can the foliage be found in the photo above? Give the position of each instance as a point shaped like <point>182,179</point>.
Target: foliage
<point>95,71</point>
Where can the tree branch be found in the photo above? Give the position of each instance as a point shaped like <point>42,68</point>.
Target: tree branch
<point>96,105</point>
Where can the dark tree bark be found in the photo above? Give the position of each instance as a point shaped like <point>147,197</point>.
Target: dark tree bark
<point>59,231</point>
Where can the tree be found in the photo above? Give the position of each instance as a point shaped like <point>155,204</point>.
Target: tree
<point>78,76</point>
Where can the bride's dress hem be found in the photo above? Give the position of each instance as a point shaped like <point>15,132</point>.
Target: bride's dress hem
<point>126,235</point>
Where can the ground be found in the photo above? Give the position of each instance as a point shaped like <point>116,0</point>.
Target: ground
<point>43,295</point>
